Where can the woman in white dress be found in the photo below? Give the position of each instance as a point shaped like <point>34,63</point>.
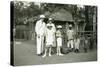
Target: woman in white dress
<point>50,33</point>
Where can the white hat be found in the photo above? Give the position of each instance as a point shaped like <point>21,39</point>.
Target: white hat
<point>42,16</point>
<point>59,26</point>
<point>70,25</point>
<point>50,18</point>
<point>49,25</point>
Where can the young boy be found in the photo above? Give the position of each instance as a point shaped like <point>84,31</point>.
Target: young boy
<point>59,40</point>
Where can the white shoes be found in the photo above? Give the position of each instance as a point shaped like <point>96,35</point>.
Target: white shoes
<point>59,54</point>
<point>44,55</point>
<point>50,55</point>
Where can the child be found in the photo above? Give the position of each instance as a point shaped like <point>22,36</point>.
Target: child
<point>59,40</point>
<point>76,44</point>
<point>85,43</point>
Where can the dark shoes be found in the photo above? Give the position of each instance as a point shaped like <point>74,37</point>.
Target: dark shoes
<point>76,51</point>
<point>40,54</point>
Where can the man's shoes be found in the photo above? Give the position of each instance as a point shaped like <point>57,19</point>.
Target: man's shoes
<point>39,54</point>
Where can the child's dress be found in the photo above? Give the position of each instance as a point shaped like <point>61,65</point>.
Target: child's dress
<point>59,38</point>
<point>77,43</point>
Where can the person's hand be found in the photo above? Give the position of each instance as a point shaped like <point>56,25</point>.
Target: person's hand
<point>38,36</point>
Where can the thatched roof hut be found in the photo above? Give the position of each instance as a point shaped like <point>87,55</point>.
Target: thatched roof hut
<point>62,15</point>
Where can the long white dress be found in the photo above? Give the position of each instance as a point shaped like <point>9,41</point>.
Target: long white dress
<point>50,35</point>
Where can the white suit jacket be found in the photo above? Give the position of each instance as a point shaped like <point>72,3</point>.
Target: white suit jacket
<point>40,28</point>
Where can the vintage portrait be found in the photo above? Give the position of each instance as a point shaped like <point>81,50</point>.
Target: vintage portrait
<point>52,33</point>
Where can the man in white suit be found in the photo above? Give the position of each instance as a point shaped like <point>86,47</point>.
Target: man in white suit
<point>40,32</point>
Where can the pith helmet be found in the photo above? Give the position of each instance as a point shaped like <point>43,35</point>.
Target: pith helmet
<point>59,26</point>
<point>42,16</point>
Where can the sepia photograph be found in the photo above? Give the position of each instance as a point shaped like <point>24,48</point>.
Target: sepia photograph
<point>52,33</point>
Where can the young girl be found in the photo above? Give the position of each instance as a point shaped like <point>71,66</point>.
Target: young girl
<point>50,32</point>
<point>59,40</point>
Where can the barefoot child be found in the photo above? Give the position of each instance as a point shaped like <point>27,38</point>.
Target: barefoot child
<point>59,40</point>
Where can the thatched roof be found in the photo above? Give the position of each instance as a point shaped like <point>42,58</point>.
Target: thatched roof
<point>62,15</point>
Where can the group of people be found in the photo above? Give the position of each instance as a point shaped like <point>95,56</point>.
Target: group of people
<point>47,35</point>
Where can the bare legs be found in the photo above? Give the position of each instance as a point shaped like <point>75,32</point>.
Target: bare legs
<point>59,51</point>
<point>46,49</point>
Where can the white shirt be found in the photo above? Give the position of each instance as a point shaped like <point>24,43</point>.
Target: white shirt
<point>77,41</point>
<point>40,27</point>
<point>70,34</point>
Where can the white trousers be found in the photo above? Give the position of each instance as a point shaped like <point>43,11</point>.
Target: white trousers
<point>70,44</point>
<point>40,44</point>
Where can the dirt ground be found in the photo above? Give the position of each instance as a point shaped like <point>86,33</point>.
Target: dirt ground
<point>25,54</point>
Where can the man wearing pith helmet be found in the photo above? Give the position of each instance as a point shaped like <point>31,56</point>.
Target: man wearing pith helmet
<point>70,35</point>
<point>40,33</point>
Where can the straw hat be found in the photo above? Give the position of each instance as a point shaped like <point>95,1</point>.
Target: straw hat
<point>50,18</point>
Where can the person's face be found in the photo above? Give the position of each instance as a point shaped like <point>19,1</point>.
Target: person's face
<point>49,27</point>
<point>42,19</point>
<point>70,28</point>
<point>50,21</point>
